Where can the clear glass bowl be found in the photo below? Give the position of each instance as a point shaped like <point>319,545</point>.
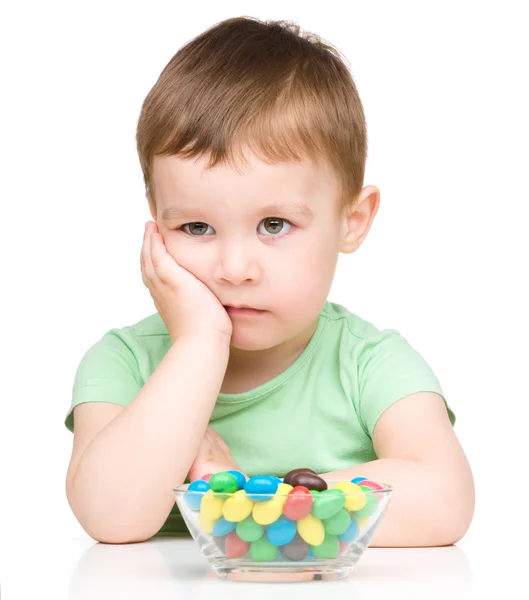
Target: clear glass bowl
<point>324,561</point>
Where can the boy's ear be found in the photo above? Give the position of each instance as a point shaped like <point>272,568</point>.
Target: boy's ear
<point>357,219</point>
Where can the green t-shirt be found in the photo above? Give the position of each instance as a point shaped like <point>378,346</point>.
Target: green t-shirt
<point>318,413</point>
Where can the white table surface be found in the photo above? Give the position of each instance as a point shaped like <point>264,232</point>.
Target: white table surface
<point>172,568</point>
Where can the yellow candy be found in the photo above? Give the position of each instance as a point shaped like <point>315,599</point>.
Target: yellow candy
<point>311,530</point>
<point>206,524</point>
<point>363,522</point>
<point>354,501</point>
<point>283,488</point>
<point>268,511</point>
<point>211,506</point>
<point>237,507</point>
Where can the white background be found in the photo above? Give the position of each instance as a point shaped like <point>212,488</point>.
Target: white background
<point>445,91</point>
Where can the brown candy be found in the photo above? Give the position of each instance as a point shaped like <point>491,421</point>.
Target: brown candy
<point>297,549</point>
<point>288,477</point>
<point>309,480</point>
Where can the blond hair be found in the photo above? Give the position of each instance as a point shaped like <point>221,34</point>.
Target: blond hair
<point>282,93</point>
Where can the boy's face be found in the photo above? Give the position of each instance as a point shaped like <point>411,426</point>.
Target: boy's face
<point>221,226</point>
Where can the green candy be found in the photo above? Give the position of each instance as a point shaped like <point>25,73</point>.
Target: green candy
<point>223,482</point>
<point>329,548</point>
<point>248,530</point>
<point>338,523</point>
<point>327,503</point>
<point>369,508</point>
<point>263,550</point>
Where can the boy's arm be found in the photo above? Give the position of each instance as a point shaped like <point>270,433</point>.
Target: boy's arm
<point>421,458</point>
<point>120,479</point>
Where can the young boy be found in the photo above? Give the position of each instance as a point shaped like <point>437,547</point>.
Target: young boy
<point>253,146</point>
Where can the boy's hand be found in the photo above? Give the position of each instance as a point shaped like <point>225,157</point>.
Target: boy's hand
<point>186,305</point>
<point>213,455</point>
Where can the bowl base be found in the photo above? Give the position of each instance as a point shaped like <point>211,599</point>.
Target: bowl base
<point>282,575</point>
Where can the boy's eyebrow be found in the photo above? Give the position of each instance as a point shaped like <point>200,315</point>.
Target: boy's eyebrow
<point>174,213</point>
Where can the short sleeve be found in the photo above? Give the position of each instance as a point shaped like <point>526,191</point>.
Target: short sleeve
<point>389,369</point>
<point>108,372</point>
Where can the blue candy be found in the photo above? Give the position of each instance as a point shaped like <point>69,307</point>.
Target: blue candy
<point>223,527</point>
<point>282,531</point>
<point>357,480</point>
<point>261,484</point>
<point>193,500</point>
<point>351,533</point>
<point>241,479</point>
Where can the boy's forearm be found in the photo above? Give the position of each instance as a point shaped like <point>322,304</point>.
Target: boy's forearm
<point>122,487</point>
<point>428,507</point>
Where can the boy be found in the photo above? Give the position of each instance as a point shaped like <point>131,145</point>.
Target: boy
<point>253,145</point>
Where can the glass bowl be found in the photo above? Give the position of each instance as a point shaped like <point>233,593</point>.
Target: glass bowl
<point>268,552</point>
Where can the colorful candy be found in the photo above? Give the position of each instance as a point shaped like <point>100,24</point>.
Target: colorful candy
<point>328,503</point>
<point>311,530</point>
<point>281,532</point>
<point>249,531</point>
<point>265,518</point>
<point>353,501</point>
<point>193,499</point>
<point>235,547</point>
<point>261,484</point>
<point>237,507</point>
<point>298,503</point>
<point>223,482</point>
<point>297,549</point>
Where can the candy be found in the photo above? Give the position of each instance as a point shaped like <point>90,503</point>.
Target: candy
<point>261,484</point>
<point>372,486</point>
<point>311,530</point>
<point>355,501</point>
<point>370,506</point>
<point>223,527</point>
<point>351,533</point>
<point>309,480</point>
<point>268,511</point>
<point>298,504</point>
<point>237,507</point>
<point>207,477</point>
<point>281,532</point>
<point>211,506</point>
<point>287,478</point>
<point>205,523</point>
<point>263,550</point>
<point>338,523</point>
<point>357,480</point>
<point>193,500</point>
<point>223,483</point>
<point>235,547</point>
<point>249,531</point>
<point>282,490</point>
<point>241,479</point>
<point>329,548</point>
<point>297,549</point>
<point>328,503</point>
<point>264,518</point>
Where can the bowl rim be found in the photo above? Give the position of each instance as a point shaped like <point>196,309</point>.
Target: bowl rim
<point>386,489</point>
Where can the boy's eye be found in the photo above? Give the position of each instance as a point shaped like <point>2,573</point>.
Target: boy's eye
<point>273,225</point>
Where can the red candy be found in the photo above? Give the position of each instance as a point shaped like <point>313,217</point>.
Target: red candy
<point>372,486</point>
<point>298,503</point>
<point>207,477</point>
<point>235,547</point>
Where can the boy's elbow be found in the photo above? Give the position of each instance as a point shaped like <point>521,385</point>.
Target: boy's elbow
<point>458,512</point>
<point>118,535</point>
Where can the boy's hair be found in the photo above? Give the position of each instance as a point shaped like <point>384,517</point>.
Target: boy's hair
<point>264,85</point>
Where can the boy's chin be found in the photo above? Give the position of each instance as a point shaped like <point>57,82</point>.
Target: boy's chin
<point>250,341</point>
